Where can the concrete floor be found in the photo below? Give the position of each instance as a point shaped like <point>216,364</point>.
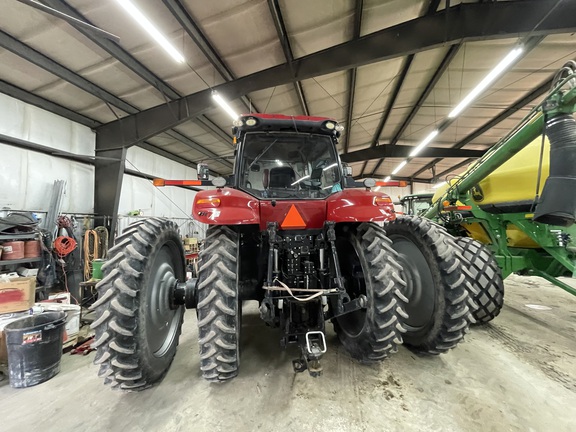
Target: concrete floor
<point>517,374</point>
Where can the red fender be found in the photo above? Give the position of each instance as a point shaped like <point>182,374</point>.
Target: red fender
<point>225,207</point>
<point>358,205</point>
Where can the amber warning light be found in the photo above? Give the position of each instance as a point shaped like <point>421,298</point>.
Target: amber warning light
<point>400,183</point>
<point>161,182</point>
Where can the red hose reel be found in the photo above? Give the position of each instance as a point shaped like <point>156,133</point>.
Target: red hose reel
<point>64,245</point>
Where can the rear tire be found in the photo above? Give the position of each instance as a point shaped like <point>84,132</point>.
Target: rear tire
<point>219,311</point>
<point>486,279</point>
<point>439,304</point>
<point>368,265</point>
<point>136,327</point>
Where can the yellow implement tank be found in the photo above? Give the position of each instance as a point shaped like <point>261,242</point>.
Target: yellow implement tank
<point>515,181</point>
<point>510,188</point>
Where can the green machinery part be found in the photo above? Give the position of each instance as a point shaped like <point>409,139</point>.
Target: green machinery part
<point>556,252</point>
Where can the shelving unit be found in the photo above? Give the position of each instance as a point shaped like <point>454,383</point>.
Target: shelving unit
<point>24,236</point>
<point>6,263</point>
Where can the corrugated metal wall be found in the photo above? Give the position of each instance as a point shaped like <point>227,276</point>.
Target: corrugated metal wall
<point>26,177</point>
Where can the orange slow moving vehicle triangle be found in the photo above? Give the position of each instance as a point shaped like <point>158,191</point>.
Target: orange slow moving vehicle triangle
<point>293,219</point>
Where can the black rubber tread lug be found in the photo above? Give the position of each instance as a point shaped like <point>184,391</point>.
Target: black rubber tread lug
<point>486,277</point>
<point>124,363</point>
<point>218,311</point>
<point>382,332</point>
<point>453,316</point>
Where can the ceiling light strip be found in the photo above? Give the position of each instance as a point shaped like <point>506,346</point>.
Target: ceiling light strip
<point>224,105</point>
<point>147,25</point>
<point>488,79</point>
<point>470,97</point>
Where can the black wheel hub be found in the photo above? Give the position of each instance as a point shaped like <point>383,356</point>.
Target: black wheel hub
<point>353,273</point>
<point>162,320</point>
<point>419,289</point>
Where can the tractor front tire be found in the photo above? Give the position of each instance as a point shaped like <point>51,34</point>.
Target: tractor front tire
<point>137,327</point>
<point>219,311</point>
<point>369,268</point>
<point>439,301</point>
<point>486,278</point>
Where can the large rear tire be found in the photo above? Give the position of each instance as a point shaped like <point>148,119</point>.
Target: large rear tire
<point>439,304</point>
<point>136,326</point>
<point>369,268</point>
<point>486,278</point>
<point>219,311</point>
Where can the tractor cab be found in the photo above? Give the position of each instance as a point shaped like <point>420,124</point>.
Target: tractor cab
<point>281,157</point>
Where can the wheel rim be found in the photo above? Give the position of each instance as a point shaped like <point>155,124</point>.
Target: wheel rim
<point>419,289</point>
<point>351,268</point>
<point>162,321</point>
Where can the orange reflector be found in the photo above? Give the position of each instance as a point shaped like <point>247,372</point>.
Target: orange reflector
<point>208,202</point>
<point>445,203</point>
<point>401,183</point>
<point>293,219</point>
<point>162,182</point>
<point>456,208</point>
<point>380,201</point>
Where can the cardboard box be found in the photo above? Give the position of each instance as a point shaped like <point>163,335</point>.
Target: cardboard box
<point>17,295</point>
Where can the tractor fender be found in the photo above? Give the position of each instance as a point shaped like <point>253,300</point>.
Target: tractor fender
<point>225,206</point>
<point>357,205</point>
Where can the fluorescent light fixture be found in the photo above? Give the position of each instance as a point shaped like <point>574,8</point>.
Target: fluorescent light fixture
<point>224,105</point>
<point>330,166</point>
<point>278,162</point>
<point>387,179</point>
<point>424,143</point>
<point>399,167</point>
<point>147,25</point>
<point>437,185</point>
<point>488,79</point>
<point>377,189</point>
<point>300,179</point>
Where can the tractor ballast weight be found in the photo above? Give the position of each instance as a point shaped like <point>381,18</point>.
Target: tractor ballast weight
<point>291,229</point>
<point>499,200</point>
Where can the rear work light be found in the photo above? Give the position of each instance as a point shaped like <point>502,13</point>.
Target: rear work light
<point>207,202</point>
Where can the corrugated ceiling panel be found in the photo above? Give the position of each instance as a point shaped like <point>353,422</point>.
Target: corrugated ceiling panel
<point>313,26</point>
<point>380,14</point>
<point>242,32</point>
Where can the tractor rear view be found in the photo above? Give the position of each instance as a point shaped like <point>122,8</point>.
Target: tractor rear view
<point>292,230</point>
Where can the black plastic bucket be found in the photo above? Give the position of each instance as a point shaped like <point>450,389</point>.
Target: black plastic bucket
<point>34,348</point>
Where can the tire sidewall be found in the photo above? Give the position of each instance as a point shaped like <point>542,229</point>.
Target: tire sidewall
<point>152,365</point>
<point>428,332</point>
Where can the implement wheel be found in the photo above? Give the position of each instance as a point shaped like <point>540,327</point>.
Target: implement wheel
<point>439,304</point>
<point>486,278</point>
<point>369,268</point>
<point>219,311</point>
<point>137,327</point>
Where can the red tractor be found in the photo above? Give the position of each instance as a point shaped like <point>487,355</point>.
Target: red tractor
<point>292,230</point>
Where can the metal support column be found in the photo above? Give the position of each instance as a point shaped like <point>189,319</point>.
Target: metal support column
<point>109,171</point>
